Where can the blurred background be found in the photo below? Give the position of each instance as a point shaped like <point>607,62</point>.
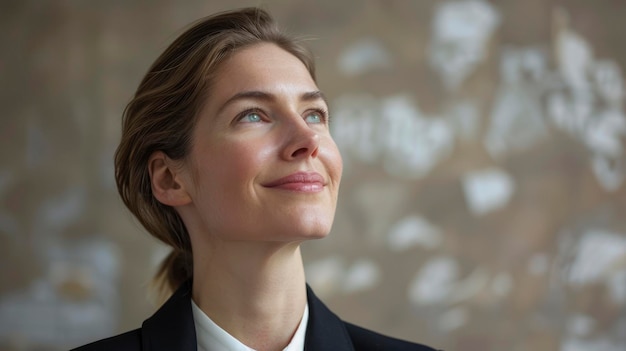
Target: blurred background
<point>483,204</point>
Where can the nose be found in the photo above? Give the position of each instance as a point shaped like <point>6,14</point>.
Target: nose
<point>302,142</point>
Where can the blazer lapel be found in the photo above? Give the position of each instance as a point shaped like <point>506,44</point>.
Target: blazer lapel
<point>171,327</point>
<point>325,331</point>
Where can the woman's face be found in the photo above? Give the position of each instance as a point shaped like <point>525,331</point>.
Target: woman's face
<point>263,165</point>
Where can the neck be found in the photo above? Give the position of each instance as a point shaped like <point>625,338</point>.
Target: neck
<point>256,292</point>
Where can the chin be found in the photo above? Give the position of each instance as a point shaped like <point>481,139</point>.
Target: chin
<point>318,235</point>
<point>307,227</point>
<point>297,223</point>
<point>314,229</point>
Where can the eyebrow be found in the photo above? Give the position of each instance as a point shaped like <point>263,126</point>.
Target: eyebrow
<point>265,96</point>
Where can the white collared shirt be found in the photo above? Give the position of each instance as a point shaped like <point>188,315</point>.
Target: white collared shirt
<point>212,337</point>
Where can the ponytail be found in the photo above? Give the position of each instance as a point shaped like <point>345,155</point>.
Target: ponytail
<point>175,269</point>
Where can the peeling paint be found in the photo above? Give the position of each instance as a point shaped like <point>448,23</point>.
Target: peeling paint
<point>460,35</point>
<point>414,144</point>
<point>392,129</point>
<point>414,231</point>
<point>596,254</point>
<point>363,56</point>
<point>435,282</point>
<point>78,296</point>
<point>487,190</point>
<point>364,274</point>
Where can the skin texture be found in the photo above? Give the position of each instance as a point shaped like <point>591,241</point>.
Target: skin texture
<point>264,120</point>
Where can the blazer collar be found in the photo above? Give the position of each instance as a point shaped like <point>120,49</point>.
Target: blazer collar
<point>325,331</point>
<point>172,326</point>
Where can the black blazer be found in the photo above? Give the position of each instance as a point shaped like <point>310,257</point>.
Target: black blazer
<point>172,328</point>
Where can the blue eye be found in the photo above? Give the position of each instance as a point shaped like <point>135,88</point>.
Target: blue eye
<point>251,117</point>
<point>314,118</point>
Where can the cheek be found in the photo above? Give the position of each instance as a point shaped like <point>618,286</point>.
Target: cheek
<point>333,160</point>
<point>241,162</point>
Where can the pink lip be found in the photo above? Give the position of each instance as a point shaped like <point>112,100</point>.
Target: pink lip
<point>308,182</point>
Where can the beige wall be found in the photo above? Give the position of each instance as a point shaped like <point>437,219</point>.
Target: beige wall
<point>483,204</point>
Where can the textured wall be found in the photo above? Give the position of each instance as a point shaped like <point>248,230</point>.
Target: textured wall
<point>483,201</point>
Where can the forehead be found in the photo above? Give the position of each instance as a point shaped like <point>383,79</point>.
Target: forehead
<point>261,67</point>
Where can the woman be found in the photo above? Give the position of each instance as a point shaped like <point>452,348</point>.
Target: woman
<point>227,157</point>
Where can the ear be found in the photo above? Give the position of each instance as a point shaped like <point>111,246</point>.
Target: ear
<point>166,180</point>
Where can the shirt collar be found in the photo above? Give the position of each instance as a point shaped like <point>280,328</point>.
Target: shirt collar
<point>211,336</point>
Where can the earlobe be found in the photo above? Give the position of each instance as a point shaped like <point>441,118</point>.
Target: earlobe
<point>167,185</point>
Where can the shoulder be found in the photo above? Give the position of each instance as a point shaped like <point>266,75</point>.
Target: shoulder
<point>129,341</point>
<point>367,340</point>
<point>171,327</point>
<point>326,331</point>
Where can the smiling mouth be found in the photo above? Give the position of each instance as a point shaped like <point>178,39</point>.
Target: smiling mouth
<point>305,182</point>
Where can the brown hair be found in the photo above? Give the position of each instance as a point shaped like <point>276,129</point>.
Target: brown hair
<point>162,115</point>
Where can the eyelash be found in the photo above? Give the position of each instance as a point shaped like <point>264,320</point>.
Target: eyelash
<point>322,112</point>
<point>248,111</point>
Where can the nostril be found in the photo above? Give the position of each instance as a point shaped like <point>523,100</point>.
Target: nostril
<point>299,152</point>
<point>302,145</point>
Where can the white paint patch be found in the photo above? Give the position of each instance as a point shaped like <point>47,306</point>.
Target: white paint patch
<point>570,113</point>
<point>453,319</point>
<point>392,129</point>
<point>516,121</point>
<point>332,275</point>
<point>487,190</point>
<point>362,56</point>
<point>355,131</point>
<point>414,144</point>
<point>590,108</point>
<point>461,34</point>
<point>603,133</point>
<point>435,282</point>
<point>609,173</point>
<point>607,79</point>
<point>99,257</point>
<point>598,253</point>
<point>414,231</point>
<point>77,301</point>
<point>574,56</point>
<point>363,275</point>
<point>603,136</point>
